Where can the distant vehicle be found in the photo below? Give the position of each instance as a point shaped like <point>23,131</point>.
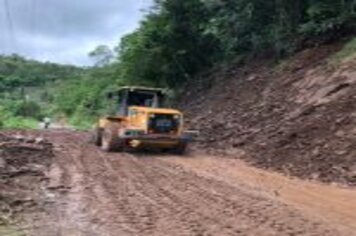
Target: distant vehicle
<point>142,123</point>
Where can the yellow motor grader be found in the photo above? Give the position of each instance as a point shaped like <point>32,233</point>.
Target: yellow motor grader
<point>141,122</point>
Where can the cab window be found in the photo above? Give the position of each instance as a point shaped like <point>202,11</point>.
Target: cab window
<point>133,112</point>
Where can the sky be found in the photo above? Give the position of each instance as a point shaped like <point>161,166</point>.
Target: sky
<point>65,31</point>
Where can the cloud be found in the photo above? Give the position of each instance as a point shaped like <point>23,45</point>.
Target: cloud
<point>65,31</point>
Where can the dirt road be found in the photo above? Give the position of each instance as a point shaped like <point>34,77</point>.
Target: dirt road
<point>96,193</point>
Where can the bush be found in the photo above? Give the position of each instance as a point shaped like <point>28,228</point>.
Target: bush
<point>20,122</point>
<point>28,109</point>
<point>347,52</point>
<point>9,120</point>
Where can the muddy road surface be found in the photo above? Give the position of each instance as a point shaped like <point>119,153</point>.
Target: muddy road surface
<point>97,193</point>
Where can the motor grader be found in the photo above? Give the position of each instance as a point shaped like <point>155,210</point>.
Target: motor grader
<point>141,122</point>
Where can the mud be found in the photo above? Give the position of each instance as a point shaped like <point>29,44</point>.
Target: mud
<point>97,193</point>
<point>24,162</point>
<point>296,117</point>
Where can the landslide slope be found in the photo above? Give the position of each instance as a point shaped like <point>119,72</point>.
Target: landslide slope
<point>297,117</point>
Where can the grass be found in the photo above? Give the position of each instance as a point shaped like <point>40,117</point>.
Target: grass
<point>347,52</point>
<point>9,120</point>
<point>19,122</point>
<point>81,122</point>
<point>7,230</point>
<point>10,231</point>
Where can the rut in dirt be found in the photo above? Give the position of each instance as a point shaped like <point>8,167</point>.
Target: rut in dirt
<point>126,194</point>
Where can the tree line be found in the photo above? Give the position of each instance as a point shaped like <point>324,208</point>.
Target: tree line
<point>178,39</point>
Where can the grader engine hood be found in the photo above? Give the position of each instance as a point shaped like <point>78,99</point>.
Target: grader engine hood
<point>156,121</point>
<point>164,123</point>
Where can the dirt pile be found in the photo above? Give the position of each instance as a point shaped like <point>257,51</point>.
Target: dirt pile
<point>297,117</point>
<point>24,162</point>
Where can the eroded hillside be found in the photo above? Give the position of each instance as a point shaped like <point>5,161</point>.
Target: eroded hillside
<point>297,117</point>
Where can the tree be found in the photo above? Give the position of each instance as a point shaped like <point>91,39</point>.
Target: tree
<point>102,55</point>
<point>169,47</point>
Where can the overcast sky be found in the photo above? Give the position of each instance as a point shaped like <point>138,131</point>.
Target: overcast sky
<point>65,31</point>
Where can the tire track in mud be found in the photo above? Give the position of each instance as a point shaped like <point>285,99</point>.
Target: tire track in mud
<point>168,208</point>
<point>72,213</point>
<point>101,200</point>
<point>126,194</point>
<point>250,211</point>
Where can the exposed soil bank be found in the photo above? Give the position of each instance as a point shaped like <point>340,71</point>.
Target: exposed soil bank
<point>298,117</point>
<point>24,162</point>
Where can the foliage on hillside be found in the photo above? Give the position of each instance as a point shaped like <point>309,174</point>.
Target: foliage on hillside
<point>31,90</point>
<point>348,52</point>
<point>17,72</point>
<point>24,84</point>
<point>86,99</point>
<point>179,39</point>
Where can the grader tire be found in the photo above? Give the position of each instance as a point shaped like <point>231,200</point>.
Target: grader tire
<point>97,136</point>
<point>180,149</point>
<point>109,141</point>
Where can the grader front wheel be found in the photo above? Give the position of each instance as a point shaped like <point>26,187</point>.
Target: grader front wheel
<point>97,134</point>
<point>180,149</point>
<point>110,141</point>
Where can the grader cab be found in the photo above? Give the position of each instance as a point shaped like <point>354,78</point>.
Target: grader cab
<point>141,123</point>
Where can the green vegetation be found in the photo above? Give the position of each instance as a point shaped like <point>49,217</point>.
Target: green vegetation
<point>176,41</point>
<point>9,231</point>
<point>25,96</point>
<point>347,52</point>
<point>179,39</point>
<point>9,118</point>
